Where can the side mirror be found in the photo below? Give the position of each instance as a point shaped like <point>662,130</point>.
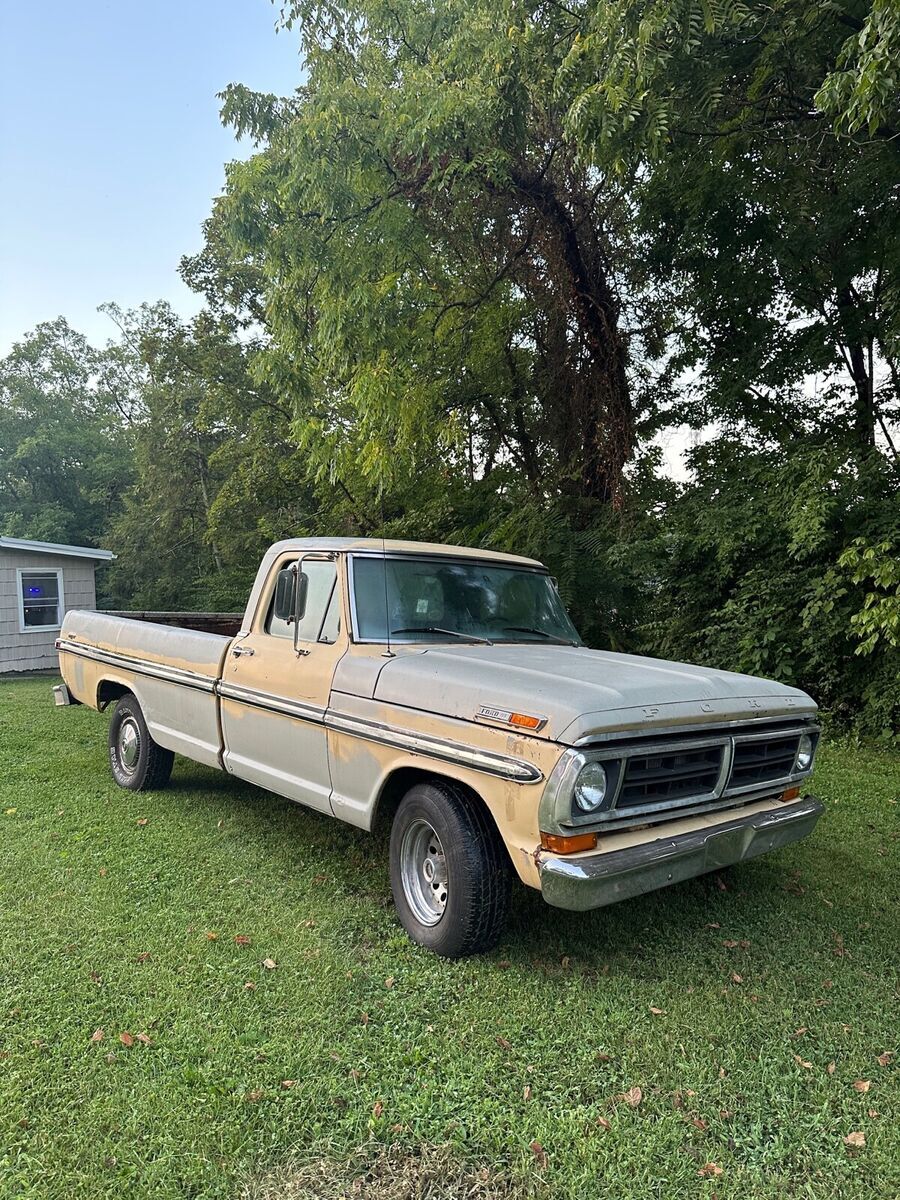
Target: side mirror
<point>284,594</point>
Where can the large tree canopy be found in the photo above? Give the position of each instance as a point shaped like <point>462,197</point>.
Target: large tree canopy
<point>443,275</point>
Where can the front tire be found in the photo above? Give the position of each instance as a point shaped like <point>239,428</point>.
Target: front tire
<point>450,873</point>
<point>137,762</point>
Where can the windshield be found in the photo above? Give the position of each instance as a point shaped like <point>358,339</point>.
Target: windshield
<point>446,600</point>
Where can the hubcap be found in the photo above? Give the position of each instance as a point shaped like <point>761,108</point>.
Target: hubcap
<point>129,744</point>
<point>423,871</point>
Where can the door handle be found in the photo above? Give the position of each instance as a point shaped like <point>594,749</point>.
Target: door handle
<point>237,651</point>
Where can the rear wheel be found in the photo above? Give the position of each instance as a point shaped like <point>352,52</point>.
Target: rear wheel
<point>137,762</point>
<point>450,873</point>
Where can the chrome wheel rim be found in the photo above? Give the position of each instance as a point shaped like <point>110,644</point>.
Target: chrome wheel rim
<point>423,871</point>
<point>128,745</point>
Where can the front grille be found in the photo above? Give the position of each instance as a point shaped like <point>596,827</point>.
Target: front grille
<point>670,776</point>
<point>763,761</point>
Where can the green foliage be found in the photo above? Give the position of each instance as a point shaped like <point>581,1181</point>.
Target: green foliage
<point>755,575</point>
<point>879,618</point>
<point>64,438</point>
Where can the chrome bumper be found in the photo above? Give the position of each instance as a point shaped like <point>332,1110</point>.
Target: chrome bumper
<point>599,879</point>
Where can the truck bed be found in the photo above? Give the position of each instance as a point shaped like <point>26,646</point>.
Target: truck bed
<point>173,672</point>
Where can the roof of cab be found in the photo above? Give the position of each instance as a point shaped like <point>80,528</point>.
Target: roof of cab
<point>394,546</point>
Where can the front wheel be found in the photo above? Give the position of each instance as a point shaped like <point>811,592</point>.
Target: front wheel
<point>137,762</point>
<point>450,873</point>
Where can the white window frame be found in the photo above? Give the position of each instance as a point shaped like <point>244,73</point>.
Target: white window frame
<point>60,606</point>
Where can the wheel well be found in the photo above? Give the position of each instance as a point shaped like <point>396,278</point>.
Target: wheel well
<point>108,692</point>
<point>398,784</point>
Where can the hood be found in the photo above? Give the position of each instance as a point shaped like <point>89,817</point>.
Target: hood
<point>580,692</point>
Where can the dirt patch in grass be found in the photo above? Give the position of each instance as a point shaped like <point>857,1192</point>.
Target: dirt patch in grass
<point>386,1173</point>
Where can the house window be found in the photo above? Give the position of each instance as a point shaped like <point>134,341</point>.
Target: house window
<point>40,600</point>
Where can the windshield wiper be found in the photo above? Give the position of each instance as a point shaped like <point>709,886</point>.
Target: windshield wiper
<point>551,637</point>
<point>467,637</point>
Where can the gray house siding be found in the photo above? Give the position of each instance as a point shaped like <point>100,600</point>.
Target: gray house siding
<point>34,650</point>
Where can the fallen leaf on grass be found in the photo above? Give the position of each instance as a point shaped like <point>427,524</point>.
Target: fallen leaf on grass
<point>389,982</point>
<point>98,1035</point>
<point>126,1039</point>
<point>862,1085</point>
<point>211,935</point>
<point>96,977</point>
<point>700,1124</point>
<point>242,940</point>
<point>885,1059</point>
<point>11,812</point>
<point>102,872</point>
<point>364,1018</point>
<point>632,1097</point>
<point>856,1139</point>
<point>144,1039</point>
<point>831,1068</point>
<point>254,1096</point>
<point>540,1154</point>
<point>712,925</point>
<point>142,820</point>
<point>143,957</point>
<point>377,1109</point>
<point>657,1012</point>
<point>603,1123</point>
<point>735,978</point>
<point>249,986</point>
<point>269,963</point>
<point>504,1044</point>
<point>710,1171</point>
<point>802,1063</point>
<point>800,1032</point>
<point>874,1114</point>
<point>526,1092</point>
<point>288,1083</point>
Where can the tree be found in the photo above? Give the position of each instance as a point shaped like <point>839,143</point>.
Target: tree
<point>64,439</point>
<point>444,279</point>
<point>781,227</point>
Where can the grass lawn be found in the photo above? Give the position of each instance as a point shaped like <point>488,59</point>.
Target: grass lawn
<point>750,1010</point>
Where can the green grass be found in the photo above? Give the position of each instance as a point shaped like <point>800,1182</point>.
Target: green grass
<point>389,1045</point>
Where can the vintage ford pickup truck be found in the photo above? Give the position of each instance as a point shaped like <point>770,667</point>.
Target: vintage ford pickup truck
<point>444,692</point>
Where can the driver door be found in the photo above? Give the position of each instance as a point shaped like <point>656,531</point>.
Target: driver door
<point>276,685</point>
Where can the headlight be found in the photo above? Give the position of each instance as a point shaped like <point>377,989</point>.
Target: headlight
<point>591,787</point>
<point>804,758</point>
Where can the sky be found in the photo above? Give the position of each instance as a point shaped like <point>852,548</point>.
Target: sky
<point>111,148</point>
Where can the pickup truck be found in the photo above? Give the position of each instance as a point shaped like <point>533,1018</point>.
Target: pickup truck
<point>443,692</point>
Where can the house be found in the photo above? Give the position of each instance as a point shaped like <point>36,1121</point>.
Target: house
<point>39,583</point>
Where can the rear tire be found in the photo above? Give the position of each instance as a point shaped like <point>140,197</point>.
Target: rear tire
<point>137,762</point>
<point>450,873</point>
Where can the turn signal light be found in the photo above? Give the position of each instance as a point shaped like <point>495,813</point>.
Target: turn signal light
<point>568,845</point>
<point>524,721</point>
<point>790,793</point>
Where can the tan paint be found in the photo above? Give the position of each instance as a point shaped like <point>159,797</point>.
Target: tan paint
<point>329,768</point>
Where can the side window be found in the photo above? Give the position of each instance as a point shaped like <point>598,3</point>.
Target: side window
<point>321,591</point>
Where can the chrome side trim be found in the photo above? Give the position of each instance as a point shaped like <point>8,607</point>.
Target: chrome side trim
<point>271,703</point>
<point>140,666</point>
<point>442,749</point>
<point>447,751</point>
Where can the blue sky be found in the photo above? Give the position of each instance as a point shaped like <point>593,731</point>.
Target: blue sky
<point>111,149</point>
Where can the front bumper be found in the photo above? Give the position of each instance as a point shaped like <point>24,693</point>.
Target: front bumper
<point>594,880</point>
